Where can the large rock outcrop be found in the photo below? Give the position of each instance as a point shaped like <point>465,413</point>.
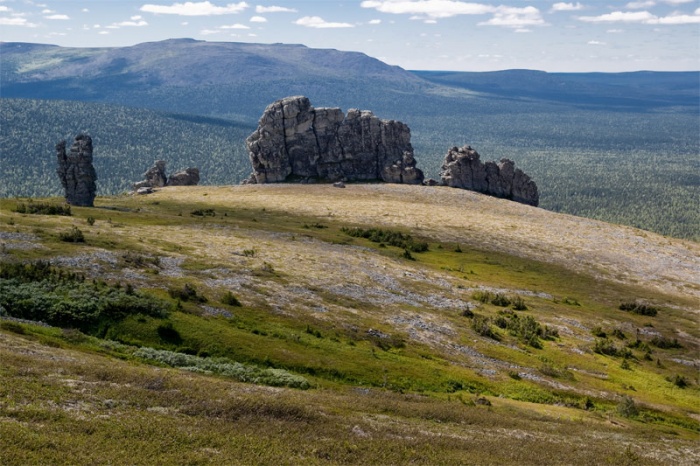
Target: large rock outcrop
<point>76,171</point>
<point>297,141</point>
<point>463,169</point>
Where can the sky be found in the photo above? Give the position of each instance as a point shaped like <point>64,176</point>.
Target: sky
<point>569,36</point>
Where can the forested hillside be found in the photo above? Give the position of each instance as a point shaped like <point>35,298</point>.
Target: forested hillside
<point>127,141</point>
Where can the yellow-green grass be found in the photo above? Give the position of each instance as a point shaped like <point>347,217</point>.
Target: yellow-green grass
<point>311,294</point>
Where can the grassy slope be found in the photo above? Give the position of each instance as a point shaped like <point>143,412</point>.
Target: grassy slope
<point>310,296</point>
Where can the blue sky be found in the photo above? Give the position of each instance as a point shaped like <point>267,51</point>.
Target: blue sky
<point>574,36</point>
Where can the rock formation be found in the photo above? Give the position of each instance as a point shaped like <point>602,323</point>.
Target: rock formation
<point>155,177</point>
<point>297,141</point>
<point>463,169</point>
<point>76,171</point>
<point>187,177</point>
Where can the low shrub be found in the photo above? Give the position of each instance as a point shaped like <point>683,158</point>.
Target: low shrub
<point>482,326</point>
<point>627,408</point>
<point>230,299</point>
<point>665,343</point>
<point>38,291</point>
<point>390,237</point>
<point>40,208</point>
<point>224,367</point>
<point>72,236</point>
<point>187,293</point>
<point>203,213</point>
<point>636,307</point>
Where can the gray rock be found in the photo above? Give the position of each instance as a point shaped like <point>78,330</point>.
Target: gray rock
<point>187,177</point>
<point>76,172</point>
<point>463,169</point>
<point>155,176</point>
<point>144,190</point>
<point>338,184</point>
<point>296,141</point>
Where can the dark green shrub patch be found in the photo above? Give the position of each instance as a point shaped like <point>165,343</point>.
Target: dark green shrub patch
<point>665,343</point>
<point>230,299</point>
<point>74,235</point>
<point>526,329</point>
<point>45,293</point>
<point>607,347</point>
<point>392,238</point>
<point>482,326</point>
<point>40,208</point>
<point>203,213</point>
<point>187,293</point>
<point>636,307</point>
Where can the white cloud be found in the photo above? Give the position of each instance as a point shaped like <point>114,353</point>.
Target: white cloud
<point>57,17</point>
<point>677,2</point>
<point>595,42</point>
<point>523,30</point>
<point>562,6</point>
<point>44,12</point>
<point>258,19</point>
<point>4,8</point>
<point>136,18</point>
<point>615,31</point>
<point>137,23</point>
<point>434,9</point>
<point>274,9</point>
<point>515,17</point>
<point>195,9</point>
<point>643,17</point>
<point>640,5</point>
<point>375,21</point>
<point>209,32</point>
<point>85,10</point>
<point>104,33</point>
<point>235,26</point>
<point>16,22</point>
<point>319,23</point>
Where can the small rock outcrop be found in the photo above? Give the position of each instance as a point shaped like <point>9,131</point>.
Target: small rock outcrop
<point>463,169</point>
<point>187,177</point>
<point>155,177</point>
<point>297,141</point>
<point>76,171</point>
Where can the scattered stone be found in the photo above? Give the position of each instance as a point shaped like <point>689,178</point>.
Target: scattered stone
<point>295,141</point>
<point>431,182</point>
<point>187,177</point>
<point>338,184</point>
<point>76,171</point>
<point>463,169</point>
<point>144,190</point>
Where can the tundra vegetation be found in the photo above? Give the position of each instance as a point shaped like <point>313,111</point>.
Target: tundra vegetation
<point>290,327</point>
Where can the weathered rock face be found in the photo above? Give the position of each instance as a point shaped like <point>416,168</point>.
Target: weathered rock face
<point>187,177</point>
<point>296,140</point>
<point>463,169</point>
<point>155,177</point>
<point>76,171</point>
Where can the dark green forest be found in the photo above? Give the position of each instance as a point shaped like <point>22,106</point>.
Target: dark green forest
<point>639,168</point>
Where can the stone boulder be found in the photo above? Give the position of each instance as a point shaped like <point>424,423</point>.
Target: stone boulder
<point>295,141</point>
<point>463,169</point>
<point>187,177</point>
<point>76,172</point>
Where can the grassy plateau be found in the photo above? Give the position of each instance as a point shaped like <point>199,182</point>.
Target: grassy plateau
<point>376,324</point>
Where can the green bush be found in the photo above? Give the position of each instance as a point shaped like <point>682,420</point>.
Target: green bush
<point>627,408</point>
<point>224,367</point>
<point>392,238</point>
<point>482,326</point>
<point>38,291</point>
<point>187,293</point>
<point>72,236</point>
<point>40,208</point>
<point>636,307</point>
<point>665,343</point>
<point>230,299</point>
<point>203,213</point>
